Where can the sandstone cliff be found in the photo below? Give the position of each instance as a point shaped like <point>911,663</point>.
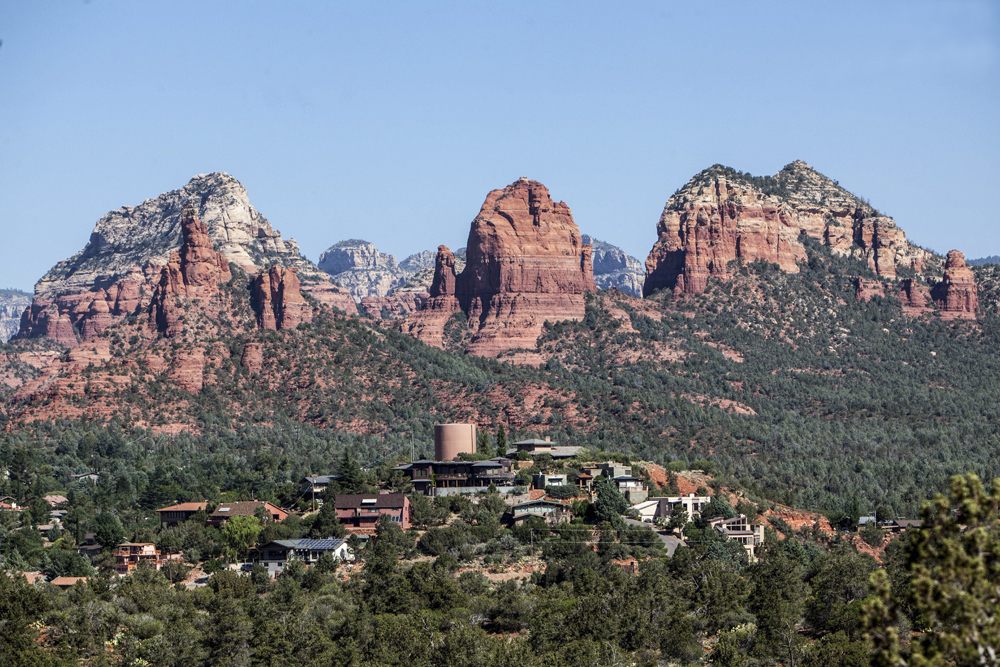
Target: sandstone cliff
<point>722,215</point>
<point>113,276</point>
<point>956,295</point>
<point>615,269</point>
<point>277,300</point>
<point>12,304</point>
<point>526,263</point>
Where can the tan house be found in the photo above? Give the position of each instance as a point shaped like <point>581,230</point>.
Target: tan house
<point>740,529</point>
<point>130,554</point>
<point>225,511</point>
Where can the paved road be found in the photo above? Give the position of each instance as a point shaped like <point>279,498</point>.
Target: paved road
<point>669,541</point>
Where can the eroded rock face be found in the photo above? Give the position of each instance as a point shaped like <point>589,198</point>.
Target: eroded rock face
<point>915,298</point>
<point>12,305</point>
<point>365,272</point>
<point>956,294</point>
<point>722,215</point>
<point>65,305</point>
<point>400,303</point>
<point>615,269</point>
<point>526,263</point>
<point>864,290</point>
<point>192,273</point>
<point>277,300</point>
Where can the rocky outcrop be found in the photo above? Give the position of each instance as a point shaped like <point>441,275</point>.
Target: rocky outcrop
<point>956,295</point>
<point>915,298</point>
<point>526,264</point>
<point>864,289</point>
<point>277,300</point>
<point>400,303</point>
<point>103,283</point>
<point>12,305</point>
<point>362,270</point>
<point>191,276</point>
<point>615,269</point>
<point>722,215</point>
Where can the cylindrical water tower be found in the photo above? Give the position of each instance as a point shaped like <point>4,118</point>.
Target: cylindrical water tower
<point>450,440</point>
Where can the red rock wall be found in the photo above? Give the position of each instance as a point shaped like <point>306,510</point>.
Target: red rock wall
<point>277,300</point>
<point>956,295</point>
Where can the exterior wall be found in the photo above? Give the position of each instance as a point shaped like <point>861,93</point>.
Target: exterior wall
<point>450,440</point>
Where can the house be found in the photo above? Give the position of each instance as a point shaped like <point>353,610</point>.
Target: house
<point>33,576</point>
<point>441,478</point>
<point>690,503</point>
<point>544,480</point>
<point>361,512</point>
<point>274,556</point>
<point>66,582</point>
<point>91,476</point>
<point>865,520</point>
<point>10,506</point>
<point>740,529</point>
<point>178,514</point>
<point>631,487</point>
<point>316,485</point>
<point>89,546</point>
<point>899,525</point>
<point>584,481</point>
<point>57,516</point>
<point>129,554</point>
<point>536,447</point>
<point>54,500</point>
<point>551,511</point>
<point>647,509</point>
<point>224,511</point>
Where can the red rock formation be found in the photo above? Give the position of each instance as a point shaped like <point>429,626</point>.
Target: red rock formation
<point>956,294</point>
<point>277,300</point>
<point>864,290</point>
<point>721,215</point>
<point>699,236</point>
<point>191,277</point>
<point>915,297</point>
<point>526,263</point>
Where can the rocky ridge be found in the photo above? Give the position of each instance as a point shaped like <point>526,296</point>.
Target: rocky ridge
<point>113,276</point>
<point>12,304</point>
<point>526,264</point>
<point>615,269</point>
<point>722,215</point>
<point>360,268</point>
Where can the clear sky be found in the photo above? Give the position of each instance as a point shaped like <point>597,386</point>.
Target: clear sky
<point>390,121</point>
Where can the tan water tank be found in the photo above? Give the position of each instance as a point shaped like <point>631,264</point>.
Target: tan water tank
<point>450,440</point>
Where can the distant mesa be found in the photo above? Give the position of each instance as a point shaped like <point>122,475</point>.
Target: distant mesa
<point>615,269</point>
<point>526,263</point>
<point>360,268</point>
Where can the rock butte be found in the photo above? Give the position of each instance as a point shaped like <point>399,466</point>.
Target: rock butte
<point>956,294</point>
<point>526,263</point>
<point>720,216</point>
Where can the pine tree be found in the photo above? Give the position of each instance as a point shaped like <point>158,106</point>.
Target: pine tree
<point>501,441</point>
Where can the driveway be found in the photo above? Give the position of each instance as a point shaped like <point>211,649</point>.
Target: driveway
<point>669,541</point>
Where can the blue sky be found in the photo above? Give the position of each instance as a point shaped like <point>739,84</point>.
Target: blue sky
<point>390,121</point>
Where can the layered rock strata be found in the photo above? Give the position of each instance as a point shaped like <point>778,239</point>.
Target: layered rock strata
<point>190,278</point>
<point>114,275</point>
<point>365,272</point>
<point>915,298</point>
<point>722,215</point>
<point>615,269</point>
<point>956,295</point>
<point>12,305</point>
<point>277,300</point>
<point>526,263</point>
